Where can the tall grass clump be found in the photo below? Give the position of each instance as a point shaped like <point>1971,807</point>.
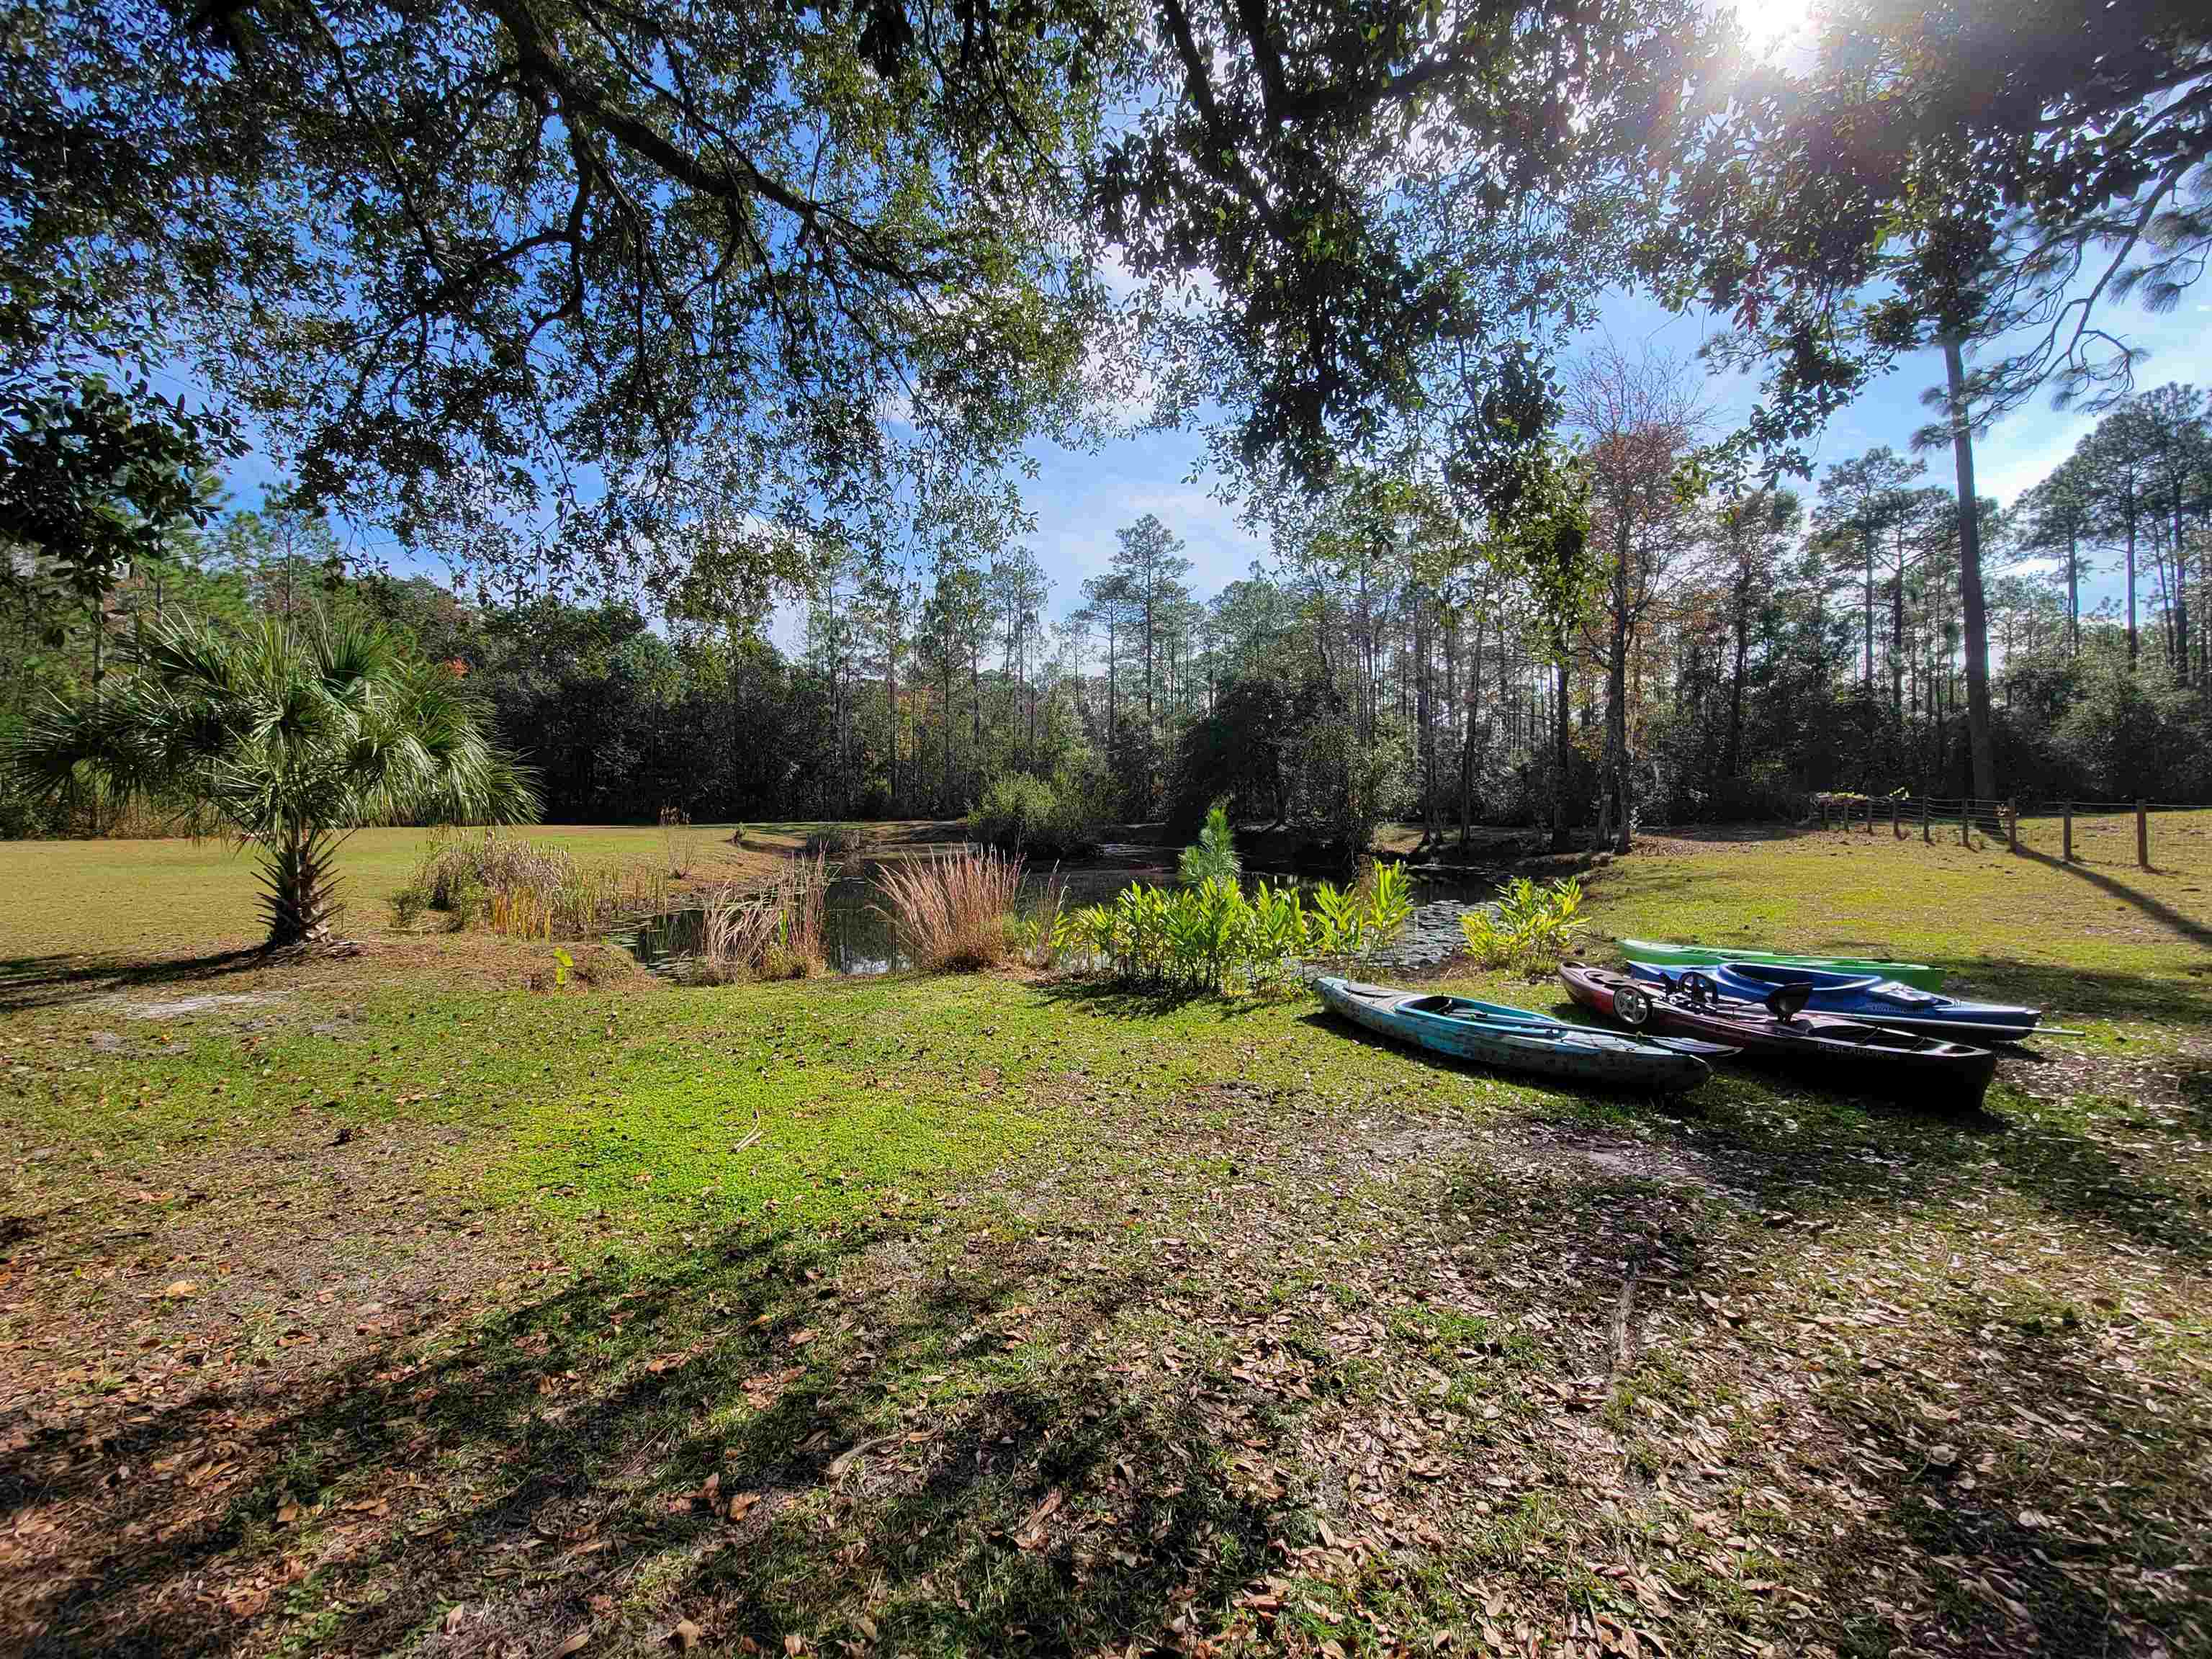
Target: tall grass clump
<point>778,931</point>
<point>954,912</point>
<point>676,836</point>
<point>527,889</point>
<point>1039,927</point>
<point>1533,928</point>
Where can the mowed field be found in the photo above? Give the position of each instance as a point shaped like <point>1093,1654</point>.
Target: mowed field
<point>161,897</point>
<point>406,1302</point>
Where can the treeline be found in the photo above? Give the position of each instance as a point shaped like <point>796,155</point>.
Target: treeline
<point>1710,654</point>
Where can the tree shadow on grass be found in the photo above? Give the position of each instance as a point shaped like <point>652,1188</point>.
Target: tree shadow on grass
<point>2165,914</point>
<point>736,1436</point>
<point>58,981</point>
<point>2067,993</point>
<point>1730,835</point>
<point>2018,1527</point>
<point>1119,999</point>
<point>1808,1150</point>
<point>2026,1479</point>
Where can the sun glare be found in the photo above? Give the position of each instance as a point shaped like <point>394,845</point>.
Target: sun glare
<point>1775,27</point>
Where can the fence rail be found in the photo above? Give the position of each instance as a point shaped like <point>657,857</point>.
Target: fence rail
<point>2078,822</point>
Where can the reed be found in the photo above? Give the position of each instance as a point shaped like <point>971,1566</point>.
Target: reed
<point>953,913</point>
<point>1040,927</point>
<point>530,889</point>
<point>677,837</point>
<point>778,931</point>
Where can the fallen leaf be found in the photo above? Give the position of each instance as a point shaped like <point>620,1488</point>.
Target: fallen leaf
<point>575,1643</point>
<point>176,1290</point>
<point>684,1637</point>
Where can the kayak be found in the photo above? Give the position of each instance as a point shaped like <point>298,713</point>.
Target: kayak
<point>1867,997</point>
<point>1658,955</point>
<point>1520,1039</point>
<point>1900,1063</point>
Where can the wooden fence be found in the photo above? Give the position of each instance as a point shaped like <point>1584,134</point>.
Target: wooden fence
<point>2077,831</point>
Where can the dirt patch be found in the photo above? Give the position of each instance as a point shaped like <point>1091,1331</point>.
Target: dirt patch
<point>1617,1157</point>
<point>185,1007</point>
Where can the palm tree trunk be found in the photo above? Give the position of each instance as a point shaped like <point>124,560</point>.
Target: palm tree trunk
<point>298,879</point>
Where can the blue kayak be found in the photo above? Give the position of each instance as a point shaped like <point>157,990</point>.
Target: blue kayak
<point>1867,997</point>
<point>1520,1039</point>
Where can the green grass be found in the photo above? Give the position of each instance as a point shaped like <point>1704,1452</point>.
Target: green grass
<point>2099,938</point>
<point>345,1296</point>
<point>149,898</point>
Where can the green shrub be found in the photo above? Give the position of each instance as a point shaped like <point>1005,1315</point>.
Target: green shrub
<point>1534,926</point>
<point>1023,816</point>
<point>836,841</point>
<point>1216,936</point>
<point>408,905</point>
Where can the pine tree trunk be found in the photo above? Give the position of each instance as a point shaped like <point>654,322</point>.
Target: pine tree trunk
<point>2073,593</point>
<point>1974,611</point>
<point>1562,743</point>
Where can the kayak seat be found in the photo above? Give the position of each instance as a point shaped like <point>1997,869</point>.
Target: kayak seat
<point>1785,1002</point>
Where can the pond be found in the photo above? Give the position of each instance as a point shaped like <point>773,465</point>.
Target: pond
<point>858,937</point>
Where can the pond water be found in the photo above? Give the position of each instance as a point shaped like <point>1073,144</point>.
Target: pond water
<point>858,937</point>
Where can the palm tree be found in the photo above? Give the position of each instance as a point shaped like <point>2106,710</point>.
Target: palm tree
<point>290,736</point>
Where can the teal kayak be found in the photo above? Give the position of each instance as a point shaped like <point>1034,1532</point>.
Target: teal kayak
<point>1652,953</point>
<point>1520,1040</point>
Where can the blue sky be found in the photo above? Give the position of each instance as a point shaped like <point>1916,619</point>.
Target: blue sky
<point>1082,497</point>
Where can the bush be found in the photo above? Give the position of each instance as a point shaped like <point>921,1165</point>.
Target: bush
<point>1214,936</point>
<point>955,912</point>
<point>408,905</point>
<point>1023,816</point>
<point>1534,926</point>
<point>837,841</point>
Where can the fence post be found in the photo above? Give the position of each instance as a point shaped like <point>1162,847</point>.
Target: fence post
<point>2142,836</point>
<point>1926,840</point>
<point>1869,815</point>
<point>2068,822</point>
<point>1966,820</point>
<point>2012,825</point>
<point>1895,833</point>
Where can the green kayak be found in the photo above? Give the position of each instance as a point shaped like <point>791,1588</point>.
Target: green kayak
<point>1654,954</point>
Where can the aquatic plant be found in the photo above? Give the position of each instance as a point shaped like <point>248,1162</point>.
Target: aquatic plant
<point>1533,928</point>
<point>1216,936</point>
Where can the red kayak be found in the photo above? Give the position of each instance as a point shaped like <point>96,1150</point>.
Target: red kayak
<point>1902,1064</point>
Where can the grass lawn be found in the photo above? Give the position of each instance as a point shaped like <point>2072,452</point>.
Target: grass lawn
<point>383,1303</point>
<point>131,899</point>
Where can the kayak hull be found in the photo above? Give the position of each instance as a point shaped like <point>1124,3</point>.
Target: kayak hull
<point>1861,997</point>
<point>1903,1064</point>
<point>1527,1043</point>
<point>1658,954</point>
